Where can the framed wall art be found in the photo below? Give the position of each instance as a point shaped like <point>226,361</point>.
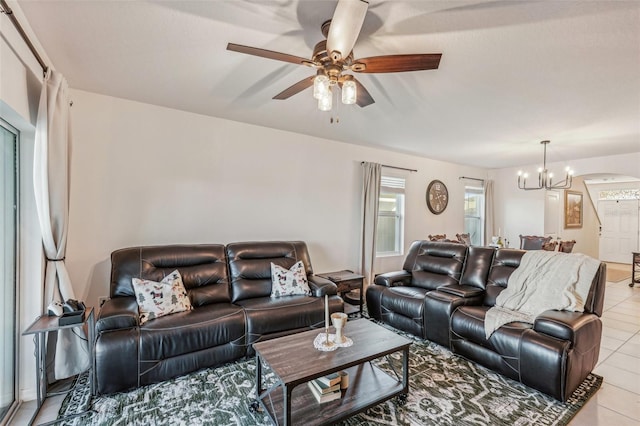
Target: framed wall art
<point>572,209</point>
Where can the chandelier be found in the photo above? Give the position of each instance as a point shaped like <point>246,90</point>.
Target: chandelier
<point>545,178</point>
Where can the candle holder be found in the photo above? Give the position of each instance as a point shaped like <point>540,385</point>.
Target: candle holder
<point>327,343</point>
<point>339,321</point>
<point>324,342</point>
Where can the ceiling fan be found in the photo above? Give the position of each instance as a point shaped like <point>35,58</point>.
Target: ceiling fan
<point>333,58</point>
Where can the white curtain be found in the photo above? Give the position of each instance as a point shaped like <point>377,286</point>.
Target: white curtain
<point>370,197</point>
<point>51,186</point>
<point>489,215</point>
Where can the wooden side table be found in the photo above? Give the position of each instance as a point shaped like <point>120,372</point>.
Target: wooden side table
<point>348,281</point>
<point>635,269</point>
<point>40,328</point>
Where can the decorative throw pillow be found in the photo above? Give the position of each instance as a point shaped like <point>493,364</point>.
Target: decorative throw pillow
<point>289,282</point>
<point>159,299</point>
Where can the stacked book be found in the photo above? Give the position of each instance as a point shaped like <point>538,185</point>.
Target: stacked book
<point>328,388</point>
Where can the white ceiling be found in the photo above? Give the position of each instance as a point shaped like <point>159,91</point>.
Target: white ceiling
<point>512,72</point>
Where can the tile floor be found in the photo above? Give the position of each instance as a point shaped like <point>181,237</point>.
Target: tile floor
<point>616,403</point>
<point>618,400</point>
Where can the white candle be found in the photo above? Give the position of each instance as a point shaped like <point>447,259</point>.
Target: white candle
<point>326,311</point>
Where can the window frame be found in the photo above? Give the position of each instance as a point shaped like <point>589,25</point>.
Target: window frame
<point>395,185</point>
<point>11,409</point>
<point>475,190</point>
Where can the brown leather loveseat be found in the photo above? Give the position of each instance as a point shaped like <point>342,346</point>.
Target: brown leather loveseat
<point>229,288</point>
<point>443,293</point>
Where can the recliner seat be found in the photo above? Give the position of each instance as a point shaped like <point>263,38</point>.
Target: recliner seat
<point>554,355</point>
<point>229,288</point>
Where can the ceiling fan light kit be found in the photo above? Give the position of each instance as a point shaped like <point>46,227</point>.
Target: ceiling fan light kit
<point>333,57</point>
<point>320,86</point>
<point>325,101</point>
<point>545,177</point>
<point>349,91</point>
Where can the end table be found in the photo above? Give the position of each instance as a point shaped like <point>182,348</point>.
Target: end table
<point>40,328</point>
<point>635,269</point>
<point>348,281</point>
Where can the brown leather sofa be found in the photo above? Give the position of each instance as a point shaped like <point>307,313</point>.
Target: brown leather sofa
<point>443,293</point>
<point>229,288</point>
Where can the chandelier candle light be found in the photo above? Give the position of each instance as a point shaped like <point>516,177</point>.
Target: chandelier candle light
<point>545,178</point>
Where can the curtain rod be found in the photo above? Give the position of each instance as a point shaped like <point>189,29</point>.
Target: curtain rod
<point>7,11</point>
<point>394,167</point>
<point>470,178</point>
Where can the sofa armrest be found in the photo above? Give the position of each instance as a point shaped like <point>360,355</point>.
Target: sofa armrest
<point>320,286</point>
<point>571,326</point>
<point>118,313</point>
<point>461,290</point>
<point>392,279</point>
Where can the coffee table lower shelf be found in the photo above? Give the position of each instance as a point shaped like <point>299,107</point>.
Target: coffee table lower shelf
<point>368,386</point>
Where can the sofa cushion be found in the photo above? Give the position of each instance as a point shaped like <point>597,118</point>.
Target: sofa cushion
<point>203,268</point>
<point>266,315</point>
<point>250,265</point>
<point>407,301</point>
<point>433,264</point>
<point>504,263</point>
<point>289,282</point>
<point>192,331</point>
<point>467,322</point>
<point>157,299</point>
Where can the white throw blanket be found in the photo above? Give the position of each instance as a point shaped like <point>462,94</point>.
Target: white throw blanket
<point>544,280</point>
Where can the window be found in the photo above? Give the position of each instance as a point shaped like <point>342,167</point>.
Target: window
<point>474,214</point>
<point>390,232</point>
<point>8,242</point>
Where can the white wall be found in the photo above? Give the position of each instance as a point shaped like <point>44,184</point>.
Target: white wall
<point>587,236</point>
<point>142,175</point>
<point>522,212</point>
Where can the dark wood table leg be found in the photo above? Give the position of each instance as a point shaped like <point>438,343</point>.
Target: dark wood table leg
<point>287,404</point>
<point>405,370</point>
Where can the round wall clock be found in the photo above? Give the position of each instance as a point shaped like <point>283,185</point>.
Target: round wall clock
<point>437,197</point>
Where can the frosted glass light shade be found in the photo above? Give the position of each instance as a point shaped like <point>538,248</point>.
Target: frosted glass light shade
<point>349,92</point>
<point>324,103</point>
<point>320,86</point>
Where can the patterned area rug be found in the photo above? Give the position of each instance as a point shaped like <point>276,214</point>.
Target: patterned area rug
<point>444,389</point>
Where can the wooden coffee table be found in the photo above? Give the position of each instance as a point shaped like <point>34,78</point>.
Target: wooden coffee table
<point>295,361</point>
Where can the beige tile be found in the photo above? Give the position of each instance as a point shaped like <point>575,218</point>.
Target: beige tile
<point>604,354</point>
<point>631,348</point>
<point>595,415</point>
<point>621,293</point>
<point>622,317</point>
<point>626,311</point>
<point>616,333</point>
<point>618,377</point>
<point>620,325</point>
<point>630,303</point>
<point>611,343</point>
<point>624,362</point>
<point>619,400</point>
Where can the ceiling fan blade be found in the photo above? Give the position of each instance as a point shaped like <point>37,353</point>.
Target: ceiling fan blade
<point>296,88</point>
<point>398,63</point>
<point>269,54</point>
<point>364,98</point>
<point>345,27</point>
